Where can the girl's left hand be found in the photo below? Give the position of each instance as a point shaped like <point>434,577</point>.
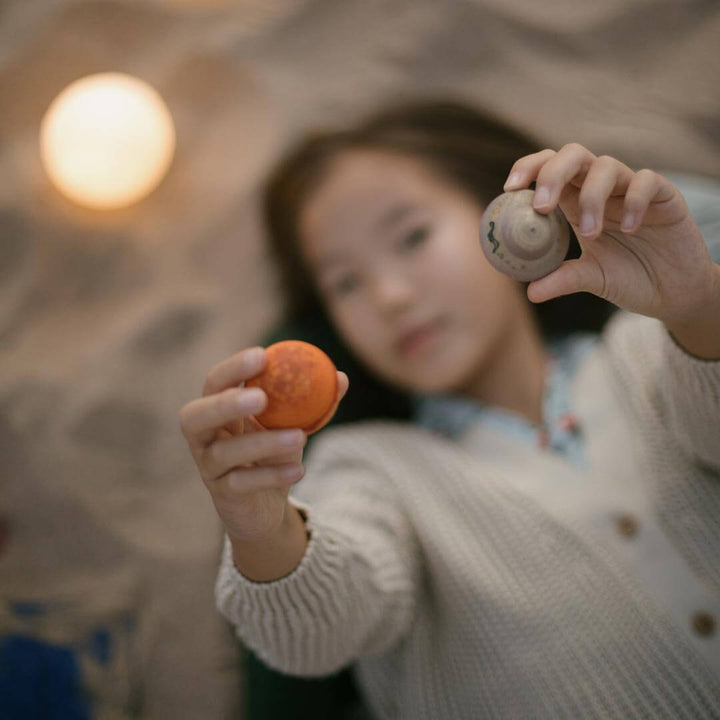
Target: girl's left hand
<point>641,249</point>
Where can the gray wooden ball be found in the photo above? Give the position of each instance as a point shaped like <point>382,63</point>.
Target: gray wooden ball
<point>521,242</point>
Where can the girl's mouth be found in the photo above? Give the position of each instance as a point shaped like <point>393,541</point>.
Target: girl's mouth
<point>418,339</point>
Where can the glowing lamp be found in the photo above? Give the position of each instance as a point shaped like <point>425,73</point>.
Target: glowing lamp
<point>107,140</point>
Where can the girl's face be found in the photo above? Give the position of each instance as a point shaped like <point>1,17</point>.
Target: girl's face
<point>395,253</point>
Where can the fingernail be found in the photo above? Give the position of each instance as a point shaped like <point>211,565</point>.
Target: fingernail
<point>254,355</point>
<point>292,472</point>
<point>291,438</point>
<point>542,196</point>
<point>251,400</point>
<point>628,222</point>
<point>513,180</point>
<point>587,224</point>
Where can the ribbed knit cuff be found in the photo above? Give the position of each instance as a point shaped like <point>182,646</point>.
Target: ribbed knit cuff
<point>252,588</point>
<point>286,621</point>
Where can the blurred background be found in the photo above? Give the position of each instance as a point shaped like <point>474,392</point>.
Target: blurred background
<point>111,314</point>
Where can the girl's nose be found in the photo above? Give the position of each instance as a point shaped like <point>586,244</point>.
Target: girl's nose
<point>392,291</point>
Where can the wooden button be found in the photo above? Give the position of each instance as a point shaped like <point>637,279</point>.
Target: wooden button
<point>627,525</point>
<point>703,623</point>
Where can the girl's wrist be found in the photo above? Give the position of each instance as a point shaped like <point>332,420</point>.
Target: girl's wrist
<point>699,332</point>
<point>276,557</point>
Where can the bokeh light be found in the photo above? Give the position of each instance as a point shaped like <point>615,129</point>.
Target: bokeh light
<point>107,140</point>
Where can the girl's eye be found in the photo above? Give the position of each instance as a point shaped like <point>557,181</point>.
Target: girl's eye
<point>344,285</point>
<point>415,237</point>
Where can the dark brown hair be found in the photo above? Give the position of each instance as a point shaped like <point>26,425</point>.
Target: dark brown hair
<point>471,149</point>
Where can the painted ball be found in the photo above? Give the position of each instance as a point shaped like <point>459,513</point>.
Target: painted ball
<point>301,384</point>
<point>520,242</point>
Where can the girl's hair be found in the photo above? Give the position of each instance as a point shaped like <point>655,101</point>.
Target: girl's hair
<point>468,148</point>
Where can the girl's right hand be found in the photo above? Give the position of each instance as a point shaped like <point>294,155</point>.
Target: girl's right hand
<point>247,469</point>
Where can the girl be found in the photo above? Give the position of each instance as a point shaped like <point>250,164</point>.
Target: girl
<point>523,521</point>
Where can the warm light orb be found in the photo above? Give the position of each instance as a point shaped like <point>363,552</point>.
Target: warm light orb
<point>107,140</point>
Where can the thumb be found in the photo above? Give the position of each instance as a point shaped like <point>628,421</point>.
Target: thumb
<point>343,384</point>
<point>580,275</point>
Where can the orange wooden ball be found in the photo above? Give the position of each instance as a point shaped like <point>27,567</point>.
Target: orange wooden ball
<point>301,384</point>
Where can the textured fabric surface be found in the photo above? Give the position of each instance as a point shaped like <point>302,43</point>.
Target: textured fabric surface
<point>486,578</point>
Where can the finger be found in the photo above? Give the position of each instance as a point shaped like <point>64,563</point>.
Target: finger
<point>605,177</point>
<point>645,187</point>
<point>343,384</point>
<point>235,370</point>
<point>201,419</point>
<point>570,164</point>
<point>273,447</point>
<point>525,170</point>
<point>580,275</point>
<point>248,480</point>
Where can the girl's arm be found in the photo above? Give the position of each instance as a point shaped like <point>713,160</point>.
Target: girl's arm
<point>699,333</point>
<point>274,557</point>
<point>683,391</point>
<point>643,251</point>
<point>690,388</point>
<point>353,592</point>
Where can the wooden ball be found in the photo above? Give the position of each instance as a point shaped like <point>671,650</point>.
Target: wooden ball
<point>301,384</point>
<point>521,242</point>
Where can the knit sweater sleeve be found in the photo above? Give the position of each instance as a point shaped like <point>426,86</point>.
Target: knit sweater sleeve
<point>683,390</point>
<point>692,399</point>
<point>353,592</point>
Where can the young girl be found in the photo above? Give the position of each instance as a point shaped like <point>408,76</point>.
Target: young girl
<point>524,519</point>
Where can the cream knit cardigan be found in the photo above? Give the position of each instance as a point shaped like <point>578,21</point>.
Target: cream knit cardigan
<point>484,578</point>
